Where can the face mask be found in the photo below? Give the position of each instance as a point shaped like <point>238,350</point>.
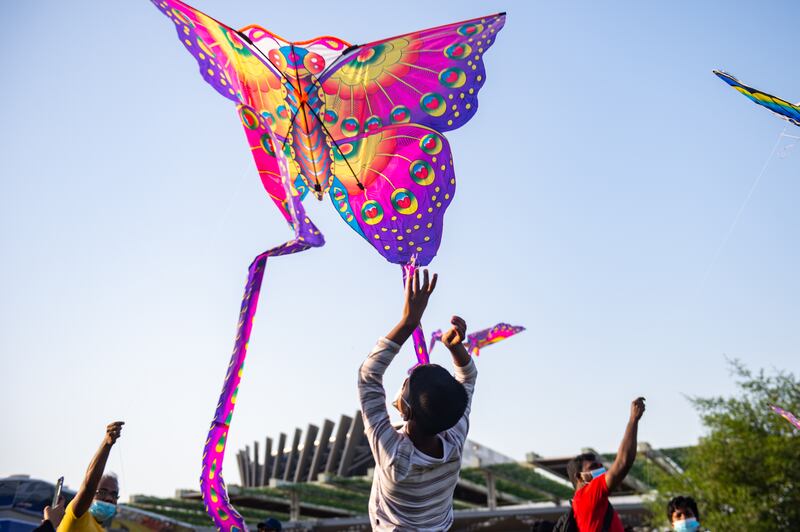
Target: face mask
<point>689,525</point>
<point>103,511</point>
<point>597,472</point>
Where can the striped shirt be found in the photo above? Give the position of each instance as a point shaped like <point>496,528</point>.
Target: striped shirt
<point>410,490</point>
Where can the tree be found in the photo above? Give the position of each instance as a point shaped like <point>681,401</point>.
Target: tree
<point>745,473</point>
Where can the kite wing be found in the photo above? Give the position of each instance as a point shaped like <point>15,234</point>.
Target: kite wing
<point>430,77</point>
<point>239,72</point>
<point>787,111</point>
<point>386,105</point>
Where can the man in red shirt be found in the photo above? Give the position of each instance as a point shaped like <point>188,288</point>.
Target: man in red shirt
<point>593,483</point>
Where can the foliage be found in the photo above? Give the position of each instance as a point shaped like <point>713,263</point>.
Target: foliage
<point>745,473</point>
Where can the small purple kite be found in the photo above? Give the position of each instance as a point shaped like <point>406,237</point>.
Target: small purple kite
<point>482,338</point>
<point>788,416</point>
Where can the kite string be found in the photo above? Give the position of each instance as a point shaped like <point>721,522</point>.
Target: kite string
<point>742,207</point>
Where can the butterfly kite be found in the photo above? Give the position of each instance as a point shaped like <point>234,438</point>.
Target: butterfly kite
<point>788,416</point>
<point>480,339</point>
<point>788,111</point>
<point>363,124</point>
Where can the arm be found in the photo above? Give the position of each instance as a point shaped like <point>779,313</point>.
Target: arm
<point>381,435</point>
<point>83,500</point>
<point>626,454</point>
<point>465,371</point>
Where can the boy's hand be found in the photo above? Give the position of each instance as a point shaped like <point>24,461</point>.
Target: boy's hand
<point>416,298</point>
<point>456,335</point>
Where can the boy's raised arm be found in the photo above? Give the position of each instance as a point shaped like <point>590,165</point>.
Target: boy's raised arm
<point>381,435</point>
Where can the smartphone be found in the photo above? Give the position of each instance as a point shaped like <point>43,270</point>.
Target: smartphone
<point>59,485</point>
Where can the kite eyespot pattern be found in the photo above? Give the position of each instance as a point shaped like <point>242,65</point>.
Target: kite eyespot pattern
<point>452,78</point>
<point>350,127</point>
<point>400,114</point>
<point>372,123</point>
<point>431,144</point>
<point>458,51</point>
<point>433,104</point>
<point>266,144</point>
<point>422,173</point>
<point>404,201</point>
<point>249,118</point>
<point>470,29</point>
<point>330,117</point>
<point>371,212</point>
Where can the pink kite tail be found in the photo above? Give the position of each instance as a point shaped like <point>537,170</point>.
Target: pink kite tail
<point>420,347</point>
<point>212,485</point>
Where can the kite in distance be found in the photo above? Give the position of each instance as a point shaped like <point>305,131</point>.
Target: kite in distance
<point>785,110</point>
<point>480,339</point>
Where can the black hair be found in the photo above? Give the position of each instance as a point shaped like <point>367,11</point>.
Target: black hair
<point>437,399</point>
<point>575,466</point>
<point>682,503</point>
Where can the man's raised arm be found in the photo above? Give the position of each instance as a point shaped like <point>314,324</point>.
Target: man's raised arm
<point>626,454</point>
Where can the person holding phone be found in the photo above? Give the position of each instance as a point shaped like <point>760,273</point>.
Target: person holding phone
<point>95,504</point>
<point>53,514</point>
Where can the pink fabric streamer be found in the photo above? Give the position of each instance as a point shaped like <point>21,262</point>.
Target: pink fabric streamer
<point>788,416</point>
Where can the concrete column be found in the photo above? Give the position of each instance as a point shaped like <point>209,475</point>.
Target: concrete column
<point>287,473</point>
<point>332,467</point>
<point>491,491</point>
<point>276,467</point>
<point>255,474</point>
<point>316,462</point>
<point>306,453</point>
<point>267,463</point>
<point>354,436</point>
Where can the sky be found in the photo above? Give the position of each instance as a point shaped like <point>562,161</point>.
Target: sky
<point>605,201</point>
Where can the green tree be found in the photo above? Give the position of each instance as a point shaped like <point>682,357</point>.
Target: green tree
<point>745,473</point>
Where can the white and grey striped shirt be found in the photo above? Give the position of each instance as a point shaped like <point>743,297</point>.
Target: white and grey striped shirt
<point>410,490</point>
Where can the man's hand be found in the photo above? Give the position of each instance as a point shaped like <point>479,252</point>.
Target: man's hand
<point>637,409</point>
<point>56,513</point>
<point>113,432</point>
<point>456,334</point>
<point>416,298</point>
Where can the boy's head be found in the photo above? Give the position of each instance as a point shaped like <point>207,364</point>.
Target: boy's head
<point>680,510</point>
<point>432,399</point>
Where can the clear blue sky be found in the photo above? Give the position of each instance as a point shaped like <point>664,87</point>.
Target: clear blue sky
<point>596,184</point>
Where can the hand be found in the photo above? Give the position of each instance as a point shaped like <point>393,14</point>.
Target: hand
<point>113,431</point>
<point>56,513</point>
<point>637,409</point>
<point>456,335</point>
<point>416,297</point>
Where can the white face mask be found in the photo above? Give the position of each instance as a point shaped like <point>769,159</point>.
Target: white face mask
<point>399,400</point>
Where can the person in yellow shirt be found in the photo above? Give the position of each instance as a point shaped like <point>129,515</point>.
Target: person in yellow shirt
<point>96,501</point>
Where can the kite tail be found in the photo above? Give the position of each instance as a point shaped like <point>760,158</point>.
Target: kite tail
<point>420,344</point>
<point>212,484</point>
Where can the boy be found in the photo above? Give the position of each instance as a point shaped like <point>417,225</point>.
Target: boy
<point>683,514</point>
<point>417,467</point>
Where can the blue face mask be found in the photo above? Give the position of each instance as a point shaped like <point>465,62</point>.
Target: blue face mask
<point>103,511</point>
<point>597,472</point>
<point>687,525</point>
